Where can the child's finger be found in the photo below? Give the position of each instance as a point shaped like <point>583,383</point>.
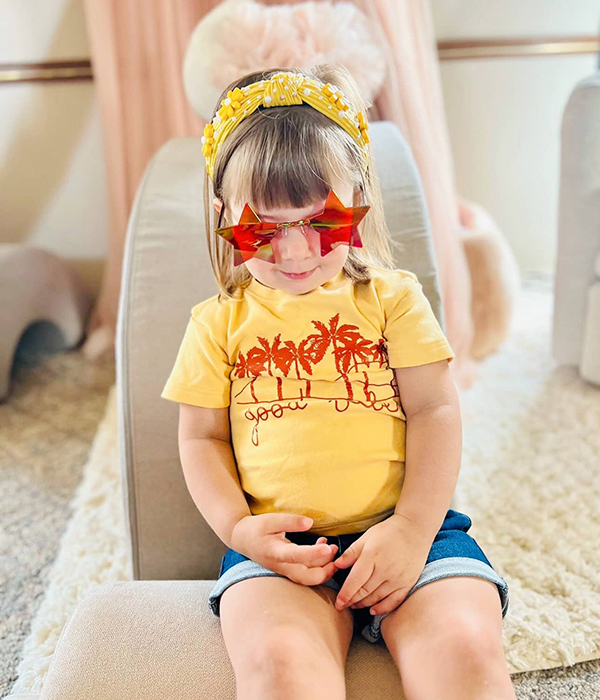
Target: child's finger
<point>317,554</point>
<point>332,547</point>
<point>309,576</point>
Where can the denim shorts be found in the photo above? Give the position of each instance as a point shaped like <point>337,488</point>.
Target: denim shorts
<point>453,553</point>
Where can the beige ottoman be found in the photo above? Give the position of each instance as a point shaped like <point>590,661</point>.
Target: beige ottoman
<point>158,640</point>
<point>37,286</point>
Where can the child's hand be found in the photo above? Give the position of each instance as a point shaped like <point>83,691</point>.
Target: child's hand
<point>400,550</point>
<point>262,539</point>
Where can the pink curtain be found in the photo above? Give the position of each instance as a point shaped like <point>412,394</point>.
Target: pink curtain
<point>137,51</point>
<point>412,99</point>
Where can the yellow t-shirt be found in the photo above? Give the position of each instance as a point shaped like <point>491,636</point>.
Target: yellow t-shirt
<point>317,426</point>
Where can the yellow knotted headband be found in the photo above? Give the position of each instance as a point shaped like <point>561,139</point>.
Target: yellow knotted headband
<point>282,89</point>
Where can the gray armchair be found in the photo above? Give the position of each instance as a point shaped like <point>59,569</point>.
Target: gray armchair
<point>155,637</point>
<point>576,318</point>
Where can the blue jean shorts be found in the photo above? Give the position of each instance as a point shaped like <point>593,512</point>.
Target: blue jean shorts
<point>453,553</point>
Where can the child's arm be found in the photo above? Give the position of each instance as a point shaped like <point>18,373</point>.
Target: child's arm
<point>209,467</point>
<point>432,463</point>
<point>433,444</point>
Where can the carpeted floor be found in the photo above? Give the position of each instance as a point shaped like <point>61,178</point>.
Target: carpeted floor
<point>526,431</point>
<point>46,428</point>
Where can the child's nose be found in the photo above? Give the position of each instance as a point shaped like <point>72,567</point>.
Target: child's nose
<point>292,244</point>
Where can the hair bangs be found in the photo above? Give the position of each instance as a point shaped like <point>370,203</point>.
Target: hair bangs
<point>288,162</point>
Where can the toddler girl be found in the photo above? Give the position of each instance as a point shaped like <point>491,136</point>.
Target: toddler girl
<point>320,431</point>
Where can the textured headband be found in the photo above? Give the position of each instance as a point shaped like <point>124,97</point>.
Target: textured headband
<point>282,89</point>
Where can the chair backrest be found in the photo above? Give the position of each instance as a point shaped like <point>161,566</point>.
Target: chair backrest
<point>166,271</point>
<point>578,219</point>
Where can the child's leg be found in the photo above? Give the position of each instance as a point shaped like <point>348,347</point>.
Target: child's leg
<point>446,641</point>
<point>285,639</point>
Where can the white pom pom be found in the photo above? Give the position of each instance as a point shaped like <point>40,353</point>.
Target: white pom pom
<point>320,21</point>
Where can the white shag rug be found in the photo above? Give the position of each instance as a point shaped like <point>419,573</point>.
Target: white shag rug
<point>528,481</point>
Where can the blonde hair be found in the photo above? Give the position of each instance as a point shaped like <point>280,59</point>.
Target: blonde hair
<point>287,156</point>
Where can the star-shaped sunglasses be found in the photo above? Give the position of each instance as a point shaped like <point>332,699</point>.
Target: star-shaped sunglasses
<point>252,237</point>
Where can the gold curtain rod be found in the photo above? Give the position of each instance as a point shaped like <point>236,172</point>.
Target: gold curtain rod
<point>49,70</point>
<point>447,51</point>
<point>513,48</point>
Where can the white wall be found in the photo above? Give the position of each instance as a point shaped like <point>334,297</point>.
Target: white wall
<point>504,115</point>
<point>52,175</point>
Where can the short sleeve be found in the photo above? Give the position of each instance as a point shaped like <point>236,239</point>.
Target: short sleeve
<point>413,334</point>
<point>201,374</point>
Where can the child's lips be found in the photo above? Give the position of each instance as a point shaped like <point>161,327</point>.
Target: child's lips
<point>297,275</point>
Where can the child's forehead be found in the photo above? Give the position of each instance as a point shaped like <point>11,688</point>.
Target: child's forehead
<point>279,213</point>
<point>290,213</point>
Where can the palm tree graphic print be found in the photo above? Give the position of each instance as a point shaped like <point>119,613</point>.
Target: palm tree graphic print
<point>352,352</point>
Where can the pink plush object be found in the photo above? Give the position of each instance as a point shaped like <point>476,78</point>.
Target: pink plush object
<point>495,278</point>
<point>304,34</point>
<point>242,36</point>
